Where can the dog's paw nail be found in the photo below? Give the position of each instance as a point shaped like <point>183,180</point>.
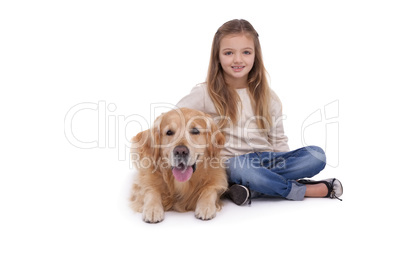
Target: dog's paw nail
<point>153,215</point>
<point>205,214</point>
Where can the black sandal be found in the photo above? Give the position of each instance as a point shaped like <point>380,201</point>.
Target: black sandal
<point>239,194</point>
<point>335,189</point>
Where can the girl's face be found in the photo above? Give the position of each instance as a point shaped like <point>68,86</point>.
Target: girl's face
<point>236,56</point>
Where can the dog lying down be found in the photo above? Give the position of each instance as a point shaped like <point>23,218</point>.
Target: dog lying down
<point>179,167</point>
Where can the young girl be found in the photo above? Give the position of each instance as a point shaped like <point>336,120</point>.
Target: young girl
<point>249,113</point>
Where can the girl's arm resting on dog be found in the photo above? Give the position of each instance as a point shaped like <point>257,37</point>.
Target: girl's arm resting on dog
<point>194,100</point>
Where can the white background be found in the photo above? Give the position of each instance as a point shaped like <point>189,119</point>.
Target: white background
<point>64,206</point>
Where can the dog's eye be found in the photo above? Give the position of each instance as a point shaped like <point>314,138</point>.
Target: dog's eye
<point>169,132</point>
<point>195,131</point>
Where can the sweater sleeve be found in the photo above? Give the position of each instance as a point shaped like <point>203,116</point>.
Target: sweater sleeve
<point>194,100</point>
<point>276,135</point>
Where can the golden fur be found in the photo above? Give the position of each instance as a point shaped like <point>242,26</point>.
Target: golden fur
<point>155,189</point>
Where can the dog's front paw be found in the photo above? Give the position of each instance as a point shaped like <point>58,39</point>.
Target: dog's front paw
<point>205,212</point>
<point>153,214</point>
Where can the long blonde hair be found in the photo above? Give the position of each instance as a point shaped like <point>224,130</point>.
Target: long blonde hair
<point>226,103</point>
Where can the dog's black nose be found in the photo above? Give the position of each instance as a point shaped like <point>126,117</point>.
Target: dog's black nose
<point>180,151</point>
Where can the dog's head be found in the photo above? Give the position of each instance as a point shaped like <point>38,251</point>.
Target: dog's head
<point>178,140</point>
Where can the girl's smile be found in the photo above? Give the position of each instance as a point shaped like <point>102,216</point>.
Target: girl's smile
<point>238,68</point>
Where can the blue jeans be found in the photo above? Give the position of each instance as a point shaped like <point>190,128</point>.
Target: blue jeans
<point>275,173</point>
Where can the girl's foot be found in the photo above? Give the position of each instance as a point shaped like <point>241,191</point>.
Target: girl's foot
<point>239,194</point>
<point>334,187</point>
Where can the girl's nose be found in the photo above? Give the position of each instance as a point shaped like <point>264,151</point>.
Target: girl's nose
<point>238,58</point>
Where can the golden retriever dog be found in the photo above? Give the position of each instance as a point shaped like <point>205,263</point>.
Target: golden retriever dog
<point>179,167</point>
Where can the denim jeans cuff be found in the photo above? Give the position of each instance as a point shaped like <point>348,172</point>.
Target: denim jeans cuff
<point>297,191</point>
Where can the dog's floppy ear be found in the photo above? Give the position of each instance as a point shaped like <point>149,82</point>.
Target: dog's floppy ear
<point>155,132</point>
<point>145,146</point>
<point>140,147</point>
<point>216,140</point>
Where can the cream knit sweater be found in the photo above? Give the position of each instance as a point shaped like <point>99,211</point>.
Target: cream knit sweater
<point>244,136</point>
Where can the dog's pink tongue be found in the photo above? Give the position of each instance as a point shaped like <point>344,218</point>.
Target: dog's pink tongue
<point>182,175</point>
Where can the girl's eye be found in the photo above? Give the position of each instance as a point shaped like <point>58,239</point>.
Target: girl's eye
<point>247,52</point>
<point>228,53</point>
<point>195,131</point>
<point>169,133</point>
